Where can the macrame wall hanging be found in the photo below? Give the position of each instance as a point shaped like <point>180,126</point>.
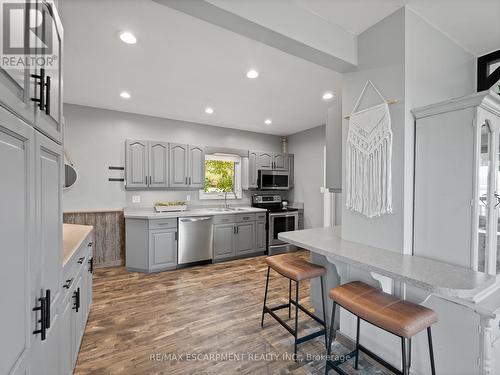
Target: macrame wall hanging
<point>368,158</point>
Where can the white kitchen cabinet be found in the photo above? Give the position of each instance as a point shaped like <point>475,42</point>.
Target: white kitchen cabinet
<point>17,85</point>
<point>49,116</point>
<point>151,244</point>
<point>17,198</point>
<point>456,141</point>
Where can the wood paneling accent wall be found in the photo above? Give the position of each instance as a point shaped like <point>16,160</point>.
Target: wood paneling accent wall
<point>109,229</point>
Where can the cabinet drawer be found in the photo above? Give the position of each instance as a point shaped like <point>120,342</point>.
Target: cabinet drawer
<point>245,217</point>
<point>260,216</point>
<point>163,223</point>
<point>224,219</point>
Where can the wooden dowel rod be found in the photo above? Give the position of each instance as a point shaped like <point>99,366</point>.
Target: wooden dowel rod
<point>390,101</point>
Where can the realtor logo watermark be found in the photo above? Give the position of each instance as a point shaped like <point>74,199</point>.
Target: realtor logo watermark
<point>27,36</point>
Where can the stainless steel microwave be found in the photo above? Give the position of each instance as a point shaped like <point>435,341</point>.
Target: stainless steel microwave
<point>273,180</point>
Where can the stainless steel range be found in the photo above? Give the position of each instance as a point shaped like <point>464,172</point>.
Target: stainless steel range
<point>279,219</point>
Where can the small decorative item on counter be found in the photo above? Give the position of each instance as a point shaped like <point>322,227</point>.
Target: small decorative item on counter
<point>170,206</point>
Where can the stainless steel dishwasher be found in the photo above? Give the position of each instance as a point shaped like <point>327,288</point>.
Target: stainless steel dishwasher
<point>195,239</point>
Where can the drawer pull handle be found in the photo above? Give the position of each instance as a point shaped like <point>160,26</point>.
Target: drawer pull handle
<point>68,283</point>
<point>80,260</point>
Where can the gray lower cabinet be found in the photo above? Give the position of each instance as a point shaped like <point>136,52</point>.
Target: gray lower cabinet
<point>224,241</point>
<point>260,235</point>
<point>245,238</point>
<point>162,249</point>
<point>76,299</point>
<point>151,244</point>
<point>239,235</point>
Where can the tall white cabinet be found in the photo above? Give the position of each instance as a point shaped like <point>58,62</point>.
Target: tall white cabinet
<point>31,166</point>
<point>457,182</point>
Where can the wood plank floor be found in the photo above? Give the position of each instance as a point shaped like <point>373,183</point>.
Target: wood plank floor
<point>150,324</point>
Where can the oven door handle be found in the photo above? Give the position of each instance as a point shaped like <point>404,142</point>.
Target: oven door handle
<point>283,215</point>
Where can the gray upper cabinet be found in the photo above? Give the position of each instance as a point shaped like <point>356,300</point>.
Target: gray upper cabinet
<point>196,167</point>
<point>49,116</point>
<point>16,85</point>
<point>252,170</point>
<point>18,262</point>
<point>291,170</point>
<point>245,238</point>
<point>158,164</point>
<point>265,160</point>
<point>179,165</point>
<point>136,164</point>
<point>280,162</point>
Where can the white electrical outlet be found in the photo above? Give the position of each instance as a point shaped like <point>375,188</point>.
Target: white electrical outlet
<point>188,197</point>
<point>136,199</point>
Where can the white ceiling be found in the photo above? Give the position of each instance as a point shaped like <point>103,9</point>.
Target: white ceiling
<point>181,65</point>
<point>473,24</point>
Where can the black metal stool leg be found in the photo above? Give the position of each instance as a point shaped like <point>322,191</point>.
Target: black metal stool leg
<point>431,351</point>
<point>289,298</point>
<point>409,354</point>
<point>403,354</point>
<point>296,319</point>
<point>356,360</point>
<point>265,297</point>
<point>332,325</point>
<point>324,310</point>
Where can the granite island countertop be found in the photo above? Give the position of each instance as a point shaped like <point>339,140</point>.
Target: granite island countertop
<point>145,213</point>
<point>73,236</point>
<point>433,276</point>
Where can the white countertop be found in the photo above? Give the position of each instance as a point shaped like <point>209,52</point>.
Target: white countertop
<point>436,277</point>
<point>144,213</point>
<point>73,236</point>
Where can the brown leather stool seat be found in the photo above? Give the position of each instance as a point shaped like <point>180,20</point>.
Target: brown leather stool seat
<point>394,315</point>
<point>295,268</point>
<point>403,318</point>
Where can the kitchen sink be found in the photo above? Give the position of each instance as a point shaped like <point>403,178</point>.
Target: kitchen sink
<point>229,209</point>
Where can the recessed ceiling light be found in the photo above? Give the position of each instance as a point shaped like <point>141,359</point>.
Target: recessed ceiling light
<point>328,95</point>
<point>125,95</point>
<point>209,110</point>
<point>128,37</point>
<point>268,121</point>
<point>252,74</point>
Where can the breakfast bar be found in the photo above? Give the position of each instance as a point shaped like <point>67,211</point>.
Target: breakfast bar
<point>476,295</point>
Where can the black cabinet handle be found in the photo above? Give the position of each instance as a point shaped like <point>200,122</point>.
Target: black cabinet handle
<point>43,317</point>
<point>76,296</point>
<point>68,283</point>
<point>89,244</point>
<point>80,260</point>
<point>40,78</point>
<point>47,308</point>
<point>47,96</point>
<point>91,265</point>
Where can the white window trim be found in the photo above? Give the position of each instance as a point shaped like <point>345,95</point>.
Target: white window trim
<point>237,178</point>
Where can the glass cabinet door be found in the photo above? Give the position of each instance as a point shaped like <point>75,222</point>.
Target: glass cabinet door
<point>484,193</point>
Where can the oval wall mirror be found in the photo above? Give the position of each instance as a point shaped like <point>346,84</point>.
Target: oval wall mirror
<point>70,176</point>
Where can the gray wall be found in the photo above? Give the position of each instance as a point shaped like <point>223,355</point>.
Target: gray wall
<point>94,140</point>
<point>409,60</point>
<point>308,148</point>
<point>381,59</point>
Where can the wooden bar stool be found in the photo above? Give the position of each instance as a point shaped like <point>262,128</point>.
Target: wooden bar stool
<point>297,270</point>
<point>383,310</point>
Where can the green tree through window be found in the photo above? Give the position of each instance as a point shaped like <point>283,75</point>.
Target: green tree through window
<point>219,176</point>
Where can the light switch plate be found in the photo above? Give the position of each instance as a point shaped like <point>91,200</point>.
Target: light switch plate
<point>188,197</point>
<point>136,199</point>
